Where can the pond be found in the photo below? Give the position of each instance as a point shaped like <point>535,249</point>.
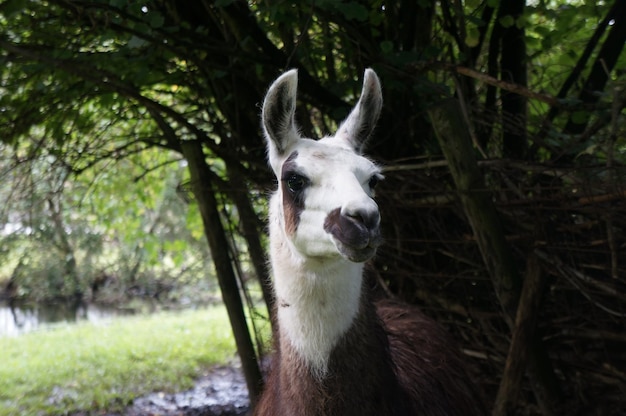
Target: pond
<point>18,318</point>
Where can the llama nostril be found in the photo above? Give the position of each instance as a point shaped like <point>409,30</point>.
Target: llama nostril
<point>369,219</point>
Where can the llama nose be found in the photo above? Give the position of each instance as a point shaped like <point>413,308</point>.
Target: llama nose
<point>370,219</point>
<point>357,228</point>
<point>363,211</point>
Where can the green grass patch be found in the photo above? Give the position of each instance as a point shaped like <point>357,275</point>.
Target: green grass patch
<point>104,366</point>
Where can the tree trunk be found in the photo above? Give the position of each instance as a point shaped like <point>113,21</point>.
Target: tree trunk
<point>218,244</point>
<point>523,336</point>
<point>64,245</point>
<point>251,234</point>
<point>453,135</point>
<point>513,69</point>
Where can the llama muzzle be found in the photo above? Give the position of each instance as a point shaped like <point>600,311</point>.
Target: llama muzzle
<point>357,234</point>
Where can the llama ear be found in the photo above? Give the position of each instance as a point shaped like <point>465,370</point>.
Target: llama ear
<point>360,123</point>
<point>278,115</point>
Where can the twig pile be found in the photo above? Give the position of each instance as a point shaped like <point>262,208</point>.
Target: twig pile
<point>571,217</point>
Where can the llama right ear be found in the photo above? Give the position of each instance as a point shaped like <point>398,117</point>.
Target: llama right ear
<point>278,115</point>
<point>357,128</point>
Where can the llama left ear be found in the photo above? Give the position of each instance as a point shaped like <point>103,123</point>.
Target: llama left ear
<point>360,123</point>
<point>278,115</point>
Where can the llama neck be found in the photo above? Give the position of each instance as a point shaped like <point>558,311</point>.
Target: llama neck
<point>333,351</point>
<point>317,301</point>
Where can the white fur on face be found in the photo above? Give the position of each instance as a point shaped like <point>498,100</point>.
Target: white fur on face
<point>338,178</point>
<point>317,290</point>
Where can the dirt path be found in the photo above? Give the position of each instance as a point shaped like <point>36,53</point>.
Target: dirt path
<point>222,392</point>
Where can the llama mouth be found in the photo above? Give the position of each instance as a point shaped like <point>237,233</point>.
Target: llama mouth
<point>356,255</point>
<point>359,254</point>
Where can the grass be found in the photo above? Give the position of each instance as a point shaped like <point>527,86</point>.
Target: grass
<point>104,366</point>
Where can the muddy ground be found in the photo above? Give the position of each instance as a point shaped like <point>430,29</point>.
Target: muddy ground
<point>220,392</point>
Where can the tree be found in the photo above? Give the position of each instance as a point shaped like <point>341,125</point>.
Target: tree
<point>102,235</point>
<point>103,80</point>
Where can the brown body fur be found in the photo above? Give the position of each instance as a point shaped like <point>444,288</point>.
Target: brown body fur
<point>393,361</point>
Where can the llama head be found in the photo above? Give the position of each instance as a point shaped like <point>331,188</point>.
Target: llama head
<point>324,204</point>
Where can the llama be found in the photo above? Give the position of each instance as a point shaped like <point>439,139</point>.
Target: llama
<point>338,352</point>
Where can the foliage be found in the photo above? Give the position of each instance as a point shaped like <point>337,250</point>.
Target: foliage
<point>104,366</point>
<point>123,226</point>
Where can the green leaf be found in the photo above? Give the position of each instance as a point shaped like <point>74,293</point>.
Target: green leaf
<point>353,11</point>
<point>542,30</point>
<point>424,4</point>
<point>12,7</point>
<point>580,117</point>
<point>507,21</point>
<point>136,42</point>
<point>567,58</point>
<point>589,150</point>
<point>386,47</point>
<point>532,42</point>
<point>476,21</point>
<point>472,37</point>
<point>156,19</point>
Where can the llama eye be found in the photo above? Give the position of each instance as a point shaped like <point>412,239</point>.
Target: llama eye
<point>373,182</point>
<point>296,183</point>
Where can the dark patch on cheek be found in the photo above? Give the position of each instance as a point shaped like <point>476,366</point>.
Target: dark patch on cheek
<point>292,208</point>
<point>293,204</point>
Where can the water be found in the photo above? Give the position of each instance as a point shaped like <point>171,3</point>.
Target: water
<point>19,318</point>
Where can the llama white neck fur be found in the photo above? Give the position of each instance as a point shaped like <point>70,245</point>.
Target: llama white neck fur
<point>317,299</point>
